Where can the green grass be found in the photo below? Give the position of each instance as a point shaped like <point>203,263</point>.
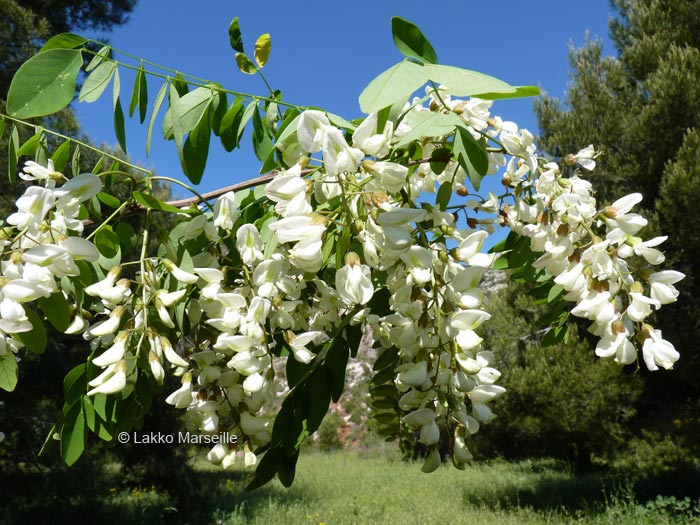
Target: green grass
<point>356,488</point>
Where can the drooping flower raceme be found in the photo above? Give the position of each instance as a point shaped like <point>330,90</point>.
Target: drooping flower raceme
<point>363,237</point>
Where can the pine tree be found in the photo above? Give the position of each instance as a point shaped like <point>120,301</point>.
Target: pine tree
<point>642,110</point>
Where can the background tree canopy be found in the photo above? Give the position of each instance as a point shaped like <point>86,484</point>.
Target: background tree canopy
<point>642,110</point>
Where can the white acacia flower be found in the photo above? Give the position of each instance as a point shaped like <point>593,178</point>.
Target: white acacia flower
<point>225,211</point>
<point>298,343</point>
<point>182,397</point>
<point>179,273</point>
<point>249,244</point>
<point>640,306</point>
<point>353,281</point>
<point>413,374</point>
<point>115,352</point>
<point>656,351</point>
<point>299,228</point>
<point>338,156</point>
<point>646,249</point>
<point>307,255</point>
<point>108,326</point>
<point>617,215</point>
<point>110,381</point>
<point>33,171</point>
<point>170,354</point>
<point>369,140</point>
<point>82,188</point>
<point>461,452</point>
<point>311,130</point>
<point>32,207</point>
<point>618,346</point>
<point>662,289</point>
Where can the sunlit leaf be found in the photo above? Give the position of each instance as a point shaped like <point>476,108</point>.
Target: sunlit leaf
<point>139,95</point>
<point>228,129</point>
<point>411,41</point>
<point>44,84</point>
<point>12,157</point>
<point>465,83</point>
<point>262,49</point>
<point>398,82</point>
<point>35,339</point>
<point>234,35</point>
<point>245,64</point>
<point>471,155</point>
<point>60,156</point>
<point>9,372</point>
<point>160,97</point>
<point>97,82</point>
<point>119,130</point>
<point>64,41</point>
<point>196,149</point>
<point>191,106</point>
<point>101,55</point>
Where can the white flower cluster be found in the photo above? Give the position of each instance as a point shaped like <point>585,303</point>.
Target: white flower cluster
<point>596,257</point>
<point>40,245</point>
<point>334,232</point>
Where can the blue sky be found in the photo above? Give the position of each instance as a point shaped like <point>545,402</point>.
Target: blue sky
<point>325,53</point>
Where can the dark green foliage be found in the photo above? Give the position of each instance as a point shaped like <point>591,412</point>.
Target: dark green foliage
<point>643,112</point>
<point>562,401</point>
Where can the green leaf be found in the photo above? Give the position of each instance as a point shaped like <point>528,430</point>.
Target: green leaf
<point>12,156</point>
<point>73,435</point>
<point>63,41</point>
<point>466,83</point>
<point>75,162</point>
<point>44,84</point>
<point>139,95</point>
<point>266,469</point>
<point>196,149</point>
<point>471,155</point>
<point>398,82</point>
<point>107,242</point>
<point>411,41</point>
<point>429,124</point>
<point>101,55</point>
<point>262,143</point>
<point>150,202</point>
<point>9,372</point>
<point>192,107</point>
<point>228,130</point>
<point>518,92</point>
<point>262,49</point>
<point>109,200</point>
<point>127,236</point>
<point>234,35</point>
<point>35,339</point>
<point>60,156</point>
<point>176,119</point>
<point>160,97</point>
<point>97,82</point>
<point>56,310</point>
<point>180,85</point>
<point>337,363</point>
<point>245,64</point>
<point>219,107</point>
<point>555,335</point>
<point>118,113</point>
<point>554,292</point>
<point>33,144</point>
<point>440,156</point>
<point>443,195</point>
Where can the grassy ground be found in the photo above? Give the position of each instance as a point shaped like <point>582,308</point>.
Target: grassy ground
<point>353,488</point>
